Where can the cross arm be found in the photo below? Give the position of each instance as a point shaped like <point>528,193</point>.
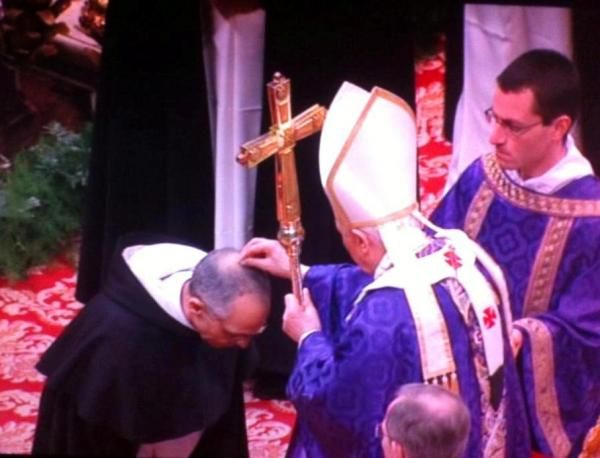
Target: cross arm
<point>305,124</point>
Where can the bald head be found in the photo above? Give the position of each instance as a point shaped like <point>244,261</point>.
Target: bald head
<point>428,421</point>
<point>219,279</point>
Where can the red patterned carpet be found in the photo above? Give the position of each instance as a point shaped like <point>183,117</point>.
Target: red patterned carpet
<point>34,311</point>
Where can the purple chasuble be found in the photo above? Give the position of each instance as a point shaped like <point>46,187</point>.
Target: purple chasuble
<point>549,249</point>
<point>347,373</point>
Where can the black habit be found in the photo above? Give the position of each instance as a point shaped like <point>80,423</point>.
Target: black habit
<point>124,373</point>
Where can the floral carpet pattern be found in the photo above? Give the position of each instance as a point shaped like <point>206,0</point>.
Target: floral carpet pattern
<point>35,310</point>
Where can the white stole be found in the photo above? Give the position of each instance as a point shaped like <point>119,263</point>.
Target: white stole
<point>417,277</point>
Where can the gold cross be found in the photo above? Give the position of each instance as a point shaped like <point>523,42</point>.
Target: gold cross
<point>280,142</point>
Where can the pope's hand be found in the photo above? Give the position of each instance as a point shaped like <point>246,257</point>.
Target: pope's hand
<point>299,319</point>
<point>268,255</point>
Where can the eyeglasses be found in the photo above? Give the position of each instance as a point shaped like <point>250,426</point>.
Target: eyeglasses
<point>379,431</point>
<point>507,125</point>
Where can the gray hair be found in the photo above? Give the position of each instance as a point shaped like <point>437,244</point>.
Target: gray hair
<point>428,422</point>
<point>219,279</point>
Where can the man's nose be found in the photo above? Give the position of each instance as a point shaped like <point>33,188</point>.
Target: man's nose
<point>497,134</point>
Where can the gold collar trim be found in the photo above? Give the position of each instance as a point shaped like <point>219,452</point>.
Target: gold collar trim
<point>522,197</point>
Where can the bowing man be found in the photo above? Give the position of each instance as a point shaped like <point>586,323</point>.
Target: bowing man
<point>152,365</point>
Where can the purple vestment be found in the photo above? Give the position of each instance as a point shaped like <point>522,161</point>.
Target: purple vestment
<point>549,249</point>
<point>347,373</point>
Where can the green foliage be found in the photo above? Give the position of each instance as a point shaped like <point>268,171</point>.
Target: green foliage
<point>41,199</point>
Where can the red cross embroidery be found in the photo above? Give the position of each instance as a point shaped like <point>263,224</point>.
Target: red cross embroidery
<point>453,259</point>
<point>489,317</point>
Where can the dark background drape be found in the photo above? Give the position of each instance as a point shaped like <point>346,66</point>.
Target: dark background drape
<point>151,165</point>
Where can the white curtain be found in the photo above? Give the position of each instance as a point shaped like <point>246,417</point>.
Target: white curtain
<point>234,57</point>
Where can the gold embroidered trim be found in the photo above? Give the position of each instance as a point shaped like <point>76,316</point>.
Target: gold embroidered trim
<point>495,447</point>
<point>546,398</point>
<point>478,210</point>
<point>545,267</point>
<point>386,219</point>
<point>521,197</point>
<point>431,328</point>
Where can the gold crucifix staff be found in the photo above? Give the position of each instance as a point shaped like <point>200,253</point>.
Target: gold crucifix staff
<point>280,142</point>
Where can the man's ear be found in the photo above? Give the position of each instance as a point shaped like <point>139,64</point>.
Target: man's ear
<point>562,124</point>
<point>361,240</point>
<point>196,306</point>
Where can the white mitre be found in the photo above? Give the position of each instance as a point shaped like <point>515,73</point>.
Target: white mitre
<point>367,190</point>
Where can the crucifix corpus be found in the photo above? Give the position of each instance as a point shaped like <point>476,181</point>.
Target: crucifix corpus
<point>280,142</point>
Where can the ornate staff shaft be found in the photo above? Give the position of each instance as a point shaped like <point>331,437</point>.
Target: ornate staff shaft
<point>291,232</point>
